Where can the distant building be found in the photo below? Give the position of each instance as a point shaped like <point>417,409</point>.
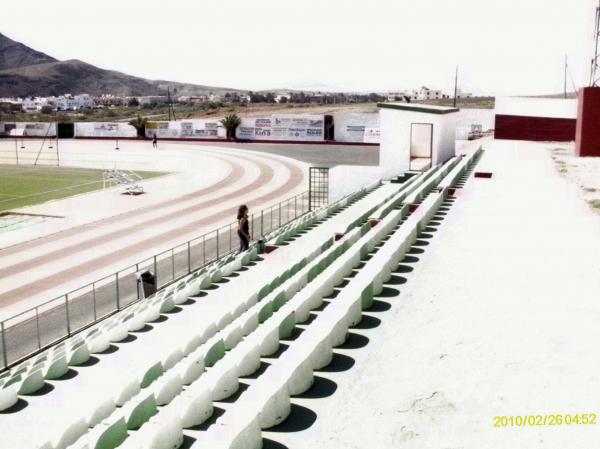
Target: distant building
<point>70,102</point>
<point>11,105</point>
<point>461,94</point>
<point>429,94</point>
<point>154,99</point>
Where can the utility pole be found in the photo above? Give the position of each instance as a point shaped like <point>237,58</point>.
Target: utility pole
<point>566,65</point>
<point>455,85</point>
<point>595,71</point>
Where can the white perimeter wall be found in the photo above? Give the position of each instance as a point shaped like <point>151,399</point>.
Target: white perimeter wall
<point>348,126</point>
<point>536,107</point>
<point>345,179</point>
<point>394,149</point>
<point>35,129</point>
<point>104,129</point>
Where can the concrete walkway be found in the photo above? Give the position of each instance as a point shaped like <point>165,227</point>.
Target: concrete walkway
<point>500,317</point>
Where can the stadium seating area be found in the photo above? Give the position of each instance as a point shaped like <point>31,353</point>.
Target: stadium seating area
<point>149,375</point>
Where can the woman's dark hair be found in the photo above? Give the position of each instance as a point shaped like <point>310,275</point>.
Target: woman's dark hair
<point>241,211</point>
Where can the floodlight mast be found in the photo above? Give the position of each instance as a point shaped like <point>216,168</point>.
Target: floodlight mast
<point>595,72</point>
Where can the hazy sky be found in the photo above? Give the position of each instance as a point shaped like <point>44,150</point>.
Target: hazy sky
<point>501,46</point>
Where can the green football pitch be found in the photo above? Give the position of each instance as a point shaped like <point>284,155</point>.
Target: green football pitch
<point>26,186</point>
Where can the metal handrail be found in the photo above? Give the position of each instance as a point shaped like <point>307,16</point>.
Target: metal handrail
<point>39,327</point>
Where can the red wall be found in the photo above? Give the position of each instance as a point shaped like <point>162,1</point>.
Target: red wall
<point>516,127</point>
<point>587,142</point>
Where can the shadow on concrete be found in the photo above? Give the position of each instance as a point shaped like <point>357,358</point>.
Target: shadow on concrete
<point>388,292</point>
<point>282,348</point>
<point>217,413</point>
<point>147,328</point>
<point>16,408</point>
<point>188,442</point>
<point>47,388</point>
<point>368,322</point>
<point>321,388</point>
<point>243,386</point>
<point>261,369</point>
<point>403,269</point>
<point>300,418</point>
<point>354,341</point>
<point>340,362</point>
<point>380,306</point>
<point>90,362</point>
<point>294,335</point>
<point>70,374</point>
<point>270,444</point>
<point>396,280</point>
<point>110,350</point>
<point>128,339</point>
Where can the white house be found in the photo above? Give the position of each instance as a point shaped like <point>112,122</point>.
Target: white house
<point>34,104</point>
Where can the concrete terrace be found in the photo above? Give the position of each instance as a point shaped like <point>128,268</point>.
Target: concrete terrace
<point>497,317</point>
<point>435,312</point>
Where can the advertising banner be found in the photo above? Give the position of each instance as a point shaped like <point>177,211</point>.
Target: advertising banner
<point>104,129</point>
<point>189,129</point>
<point>282,127</point>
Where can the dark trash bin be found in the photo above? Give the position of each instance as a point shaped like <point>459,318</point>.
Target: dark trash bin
<point>261,246</point>
<point>147,282</point>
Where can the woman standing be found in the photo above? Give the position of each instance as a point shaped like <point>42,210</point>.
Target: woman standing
<point>243,227</point>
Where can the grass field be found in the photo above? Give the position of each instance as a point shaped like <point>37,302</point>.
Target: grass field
<point>26,186</point>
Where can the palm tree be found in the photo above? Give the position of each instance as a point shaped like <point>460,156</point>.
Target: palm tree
<point>231,122</point>
<point>139,124</point>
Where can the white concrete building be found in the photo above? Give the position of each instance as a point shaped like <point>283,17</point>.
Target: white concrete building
<point>426,93</point>
<point>411,133</point>
<point>34,104</point>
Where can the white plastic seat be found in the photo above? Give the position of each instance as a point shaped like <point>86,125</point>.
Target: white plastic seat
<point>139,409</point>
<point>8,397</point>
<point>167,387</point>
<point>55,368</point>
<point>164,431</point>
<point>191,367</point>
<point>193,406</point>
<point>237,429</point>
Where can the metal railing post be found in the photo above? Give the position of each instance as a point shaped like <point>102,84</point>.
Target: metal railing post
<point>262,228</point>
<point>156,271</point>
<point>37,325</point>
<point>118,290</point>
<point>173,263</point>
<point>279,212</point>
<point>4,356</point>
<point>67,313</point>
<point>189,251</point>
<point>204,249</point>
<point>230,239</point>
<point>217,256</point>
<point>94,297</point>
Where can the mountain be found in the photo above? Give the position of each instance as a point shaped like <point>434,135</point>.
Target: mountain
<point>25,72</point>
<point>14,54</point>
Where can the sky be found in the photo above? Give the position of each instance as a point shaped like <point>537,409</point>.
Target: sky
<point>503,47</point>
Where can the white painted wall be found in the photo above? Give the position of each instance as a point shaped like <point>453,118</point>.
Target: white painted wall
<point>34,129</point>
<point>536,107</point>
<point>345,179</point>
<point>394,149</point>
<point>348,125</point>
<point>394,145</point>
<point>104,129</point>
